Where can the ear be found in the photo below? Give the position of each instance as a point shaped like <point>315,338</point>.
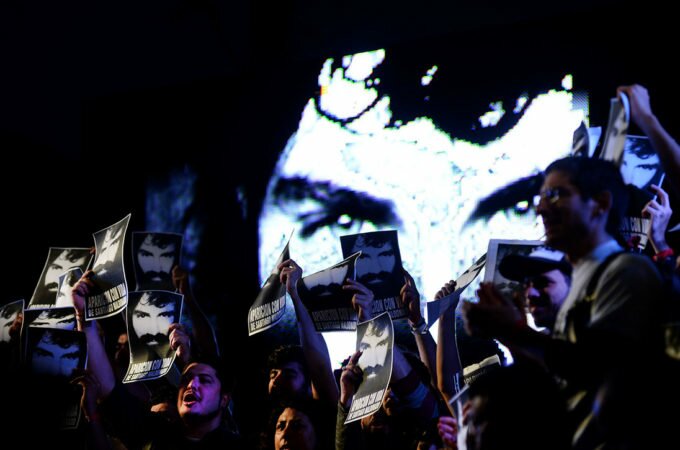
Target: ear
<point>603,202</point>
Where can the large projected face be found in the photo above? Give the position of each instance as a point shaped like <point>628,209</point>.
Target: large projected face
<point>351,167</point>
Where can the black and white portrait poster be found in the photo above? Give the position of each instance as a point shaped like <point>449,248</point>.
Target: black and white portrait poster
<point>375,339</point>
<point>327,302</point>
<point>378,268</point>
<point>154,255</point>
<point>149,316</point>
<point>61,318</point>
<point>499,249</point>
<point>617,129</point>
<point>110,287</point>
<point>438,307</point>
<point>59,260</point>
<point>640,168</point>
<point>54,352</point>
<point>10,320</point>
<point>66,282</point>
<point>270,304</point>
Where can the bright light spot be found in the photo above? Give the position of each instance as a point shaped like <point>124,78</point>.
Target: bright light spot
<point>521,101</point>
<point>492,117</point>
<point>568,82</point>
<point>427,79</point>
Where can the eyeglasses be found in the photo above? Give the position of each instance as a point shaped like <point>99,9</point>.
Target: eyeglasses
<point>552,195</point>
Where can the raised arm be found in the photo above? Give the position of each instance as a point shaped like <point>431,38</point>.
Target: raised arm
<point>313,344</point>
<point>97,359</point>
<point>659,213</point>
<point>202,330</point>
<point>448,359</point>
<point>427,348</point>
<point>664,144</point>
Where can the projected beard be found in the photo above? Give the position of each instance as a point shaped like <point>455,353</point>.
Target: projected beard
<point>352,167</point>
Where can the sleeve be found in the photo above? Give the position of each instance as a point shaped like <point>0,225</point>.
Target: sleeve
<point>347,437</point>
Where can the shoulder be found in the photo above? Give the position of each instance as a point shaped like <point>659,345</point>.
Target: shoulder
<point>630,269</point>
<point>631,261</point>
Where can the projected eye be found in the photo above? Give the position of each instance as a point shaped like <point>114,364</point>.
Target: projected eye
<point>334,206</point>
<point>648,166</point>
<point>347,214</point>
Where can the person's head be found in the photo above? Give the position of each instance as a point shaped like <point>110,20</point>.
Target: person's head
<point>157,254</point>
<point>546,277</point>
<point>374,344</point>
<point>57,354</point>
<point>61,318</point>
<point>151,318</point>
<point>640,165</point>
<point>288,373</point>
<point>393,416</point>
<point>299,424</point>
<point>204,392</point>
<point>582,200</point>
<point>63,260</point>
<point>516,406</point>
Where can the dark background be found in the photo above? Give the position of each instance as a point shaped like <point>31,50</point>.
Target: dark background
<point>99,100</point>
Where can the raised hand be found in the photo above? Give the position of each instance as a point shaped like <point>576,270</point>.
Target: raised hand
<point>180,342</point>
<point>350,379</point>
<point>660,214</point>
<point>289,274</point>
<point>493,316</point>
<point>640,107</point>
<point>362,301</point>
<point>448,431</point>
<point>79,292</point>
<point>447,289</point>
<point>410,297</point>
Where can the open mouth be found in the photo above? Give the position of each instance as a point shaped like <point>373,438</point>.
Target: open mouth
<point>190,398</point>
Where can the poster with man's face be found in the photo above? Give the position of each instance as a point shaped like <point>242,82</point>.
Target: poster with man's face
<point>378,267</point>
<point>109,295</point>
<point>59,261</point>
<point>640,166</point>
<point>154,255</point>
<point>55,353</point>
<point>60,318</point>
<point>10,320</point>
<point>375,339</point>
<point>269,306</point>
<point>149,316</point>
<point>329,305</point>
<point>66,282</point>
